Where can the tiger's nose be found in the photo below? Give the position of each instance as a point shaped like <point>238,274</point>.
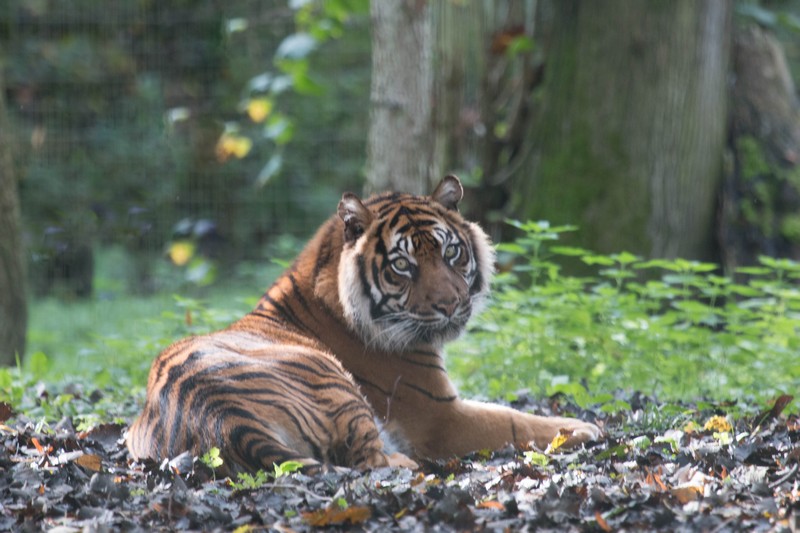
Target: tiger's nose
<point>447,309</point>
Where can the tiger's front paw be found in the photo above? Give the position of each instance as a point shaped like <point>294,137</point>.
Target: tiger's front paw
<point>398,460</point>
<point>575,431</point>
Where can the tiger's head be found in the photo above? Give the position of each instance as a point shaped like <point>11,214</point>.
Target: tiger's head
<point>412,270</point>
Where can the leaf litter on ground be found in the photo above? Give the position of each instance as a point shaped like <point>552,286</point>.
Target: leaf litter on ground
<point>661,467</point>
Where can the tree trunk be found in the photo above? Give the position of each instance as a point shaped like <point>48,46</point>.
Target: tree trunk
<point>482,83</point>
<point>761,197</point>
<point>399,144</point>
<point>13,306</point>
<point>630,134</point>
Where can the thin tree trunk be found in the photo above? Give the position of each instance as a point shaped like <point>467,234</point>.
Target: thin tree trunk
<point>13,306</point>
<point>399,144</point>
<point>629,139</point>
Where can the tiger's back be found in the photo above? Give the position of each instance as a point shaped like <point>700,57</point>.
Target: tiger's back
<point>262,400</point>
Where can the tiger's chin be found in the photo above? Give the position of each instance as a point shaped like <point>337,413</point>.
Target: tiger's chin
<point>404,336</point>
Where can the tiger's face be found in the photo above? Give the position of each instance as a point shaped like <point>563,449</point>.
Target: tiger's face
<point>412,270</point>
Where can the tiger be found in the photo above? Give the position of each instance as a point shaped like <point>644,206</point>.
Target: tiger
<point>340,363</point>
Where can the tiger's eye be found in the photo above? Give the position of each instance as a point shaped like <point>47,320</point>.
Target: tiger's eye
<point>401,264</point>
<point>451,251</point>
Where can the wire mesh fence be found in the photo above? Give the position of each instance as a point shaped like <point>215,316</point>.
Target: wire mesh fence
<point>119,111</point>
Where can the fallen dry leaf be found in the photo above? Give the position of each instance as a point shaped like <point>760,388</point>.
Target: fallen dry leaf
<point>334,515</point>
<point>491,504</point>
<point>84,481</point>
<point>687,494</point>
<point>90,462</point>
<point>6,411</point>
<point>717,423</point>
<point>602,522</point>
<point>559,440</point>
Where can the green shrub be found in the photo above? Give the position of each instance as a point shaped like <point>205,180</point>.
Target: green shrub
<point>685,332</point>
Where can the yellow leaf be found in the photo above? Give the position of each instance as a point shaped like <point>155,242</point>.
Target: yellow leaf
<point>718,423</point>
<point>691,427</point>
<point>230,144</point>
<point>180,252</point>
<point>559,440</point>
<point>258,109</point>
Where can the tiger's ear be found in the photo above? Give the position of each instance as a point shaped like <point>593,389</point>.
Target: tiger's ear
<point>356,217</point>
<point>449,192</point>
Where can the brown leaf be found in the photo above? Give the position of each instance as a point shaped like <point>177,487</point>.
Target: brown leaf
<point>420,478</point>
<point>491,504</point>
<point>335,515</point>
<point>775,411</point>
<point>39,448</point>
<point>90,462</point>
<point>687,493</point>
<point>503,38</point>
<point>106,435</point>
<point>601,521</point>
<point>6,411</point>
<point>654,478</point>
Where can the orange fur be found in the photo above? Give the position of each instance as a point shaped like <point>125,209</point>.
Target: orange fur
<point>344,350</point>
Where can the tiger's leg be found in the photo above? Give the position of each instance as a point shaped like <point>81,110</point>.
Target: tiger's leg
<point>463,426</point>
<point>360,444</point>
<point>399,460</point>
<point>319,418</point>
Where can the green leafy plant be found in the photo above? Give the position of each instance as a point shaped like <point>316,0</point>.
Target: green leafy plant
<point>245,481</point>
<point>536,458</point>
<point>675,328</point>
<point>286,468</point>
<point>211,458</point>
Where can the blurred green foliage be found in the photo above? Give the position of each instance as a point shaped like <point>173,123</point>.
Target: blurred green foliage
<point>133,118</point>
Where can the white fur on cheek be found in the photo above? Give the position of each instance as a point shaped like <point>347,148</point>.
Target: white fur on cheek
<point>485,255</point>
<point>351,296</point>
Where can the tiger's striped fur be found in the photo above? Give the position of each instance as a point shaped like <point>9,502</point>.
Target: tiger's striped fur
<point>350,333</point>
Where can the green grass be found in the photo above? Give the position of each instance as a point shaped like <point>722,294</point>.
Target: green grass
<point>96,338</point>
<point>115,334</point>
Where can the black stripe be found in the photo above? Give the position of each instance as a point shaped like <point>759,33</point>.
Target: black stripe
<point>368,383</point>
<point>288,316</point>
<point>325,253</point>
<point>426,353</point>
<point>299,295</point>
<point>428,394</point>
<point>192,381</point>
<point>277,452</point>
<point>424,365</point>
<point>263,313</point>
<point>225,407</point>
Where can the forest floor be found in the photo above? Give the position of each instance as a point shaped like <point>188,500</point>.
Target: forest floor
<point>692,466</point>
